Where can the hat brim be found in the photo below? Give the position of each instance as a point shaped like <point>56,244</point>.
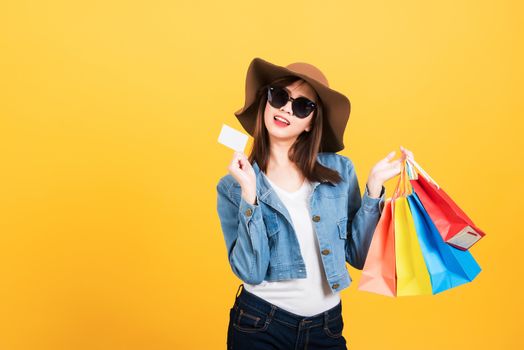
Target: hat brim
<point>336,106</point>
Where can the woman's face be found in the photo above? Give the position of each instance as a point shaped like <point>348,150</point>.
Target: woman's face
<point>283,131</point>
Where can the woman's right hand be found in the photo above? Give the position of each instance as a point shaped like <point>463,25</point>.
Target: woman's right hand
<point>243,172</point>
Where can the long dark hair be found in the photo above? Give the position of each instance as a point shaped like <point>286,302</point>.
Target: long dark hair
<point>306,147</point>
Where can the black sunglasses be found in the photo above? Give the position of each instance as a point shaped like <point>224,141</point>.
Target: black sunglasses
<point>301,106</point>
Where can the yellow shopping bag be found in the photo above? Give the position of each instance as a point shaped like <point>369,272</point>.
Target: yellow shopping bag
<point>412,274</point>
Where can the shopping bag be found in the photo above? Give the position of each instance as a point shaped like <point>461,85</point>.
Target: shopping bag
<point>412,274</point>
<point>448,266</point>
<point>455,227</point>
<point>378,274</point>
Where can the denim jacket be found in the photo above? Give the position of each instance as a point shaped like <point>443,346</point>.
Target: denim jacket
<point>261,240</point>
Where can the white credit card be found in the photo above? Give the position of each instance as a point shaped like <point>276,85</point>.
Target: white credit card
<point>232,138</point>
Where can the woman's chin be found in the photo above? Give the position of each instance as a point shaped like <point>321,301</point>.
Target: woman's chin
<point>281,135</point>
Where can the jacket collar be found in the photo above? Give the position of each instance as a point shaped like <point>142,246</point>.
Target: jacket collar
<point>266,194</point>
<point>265,186</point>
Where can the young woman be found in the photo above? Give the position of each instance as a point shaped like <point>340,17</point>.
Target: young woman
<point>292,213</point>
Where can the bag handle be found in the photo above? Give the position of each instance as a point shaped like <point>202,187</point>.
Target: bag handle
<point>403,186</point>
<point>424,173</point>
<point>409,171</point>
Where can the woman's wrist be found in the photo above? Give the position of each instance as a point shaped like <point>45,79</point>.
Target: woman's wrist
<point>374,188</point>
<point>249,197</point>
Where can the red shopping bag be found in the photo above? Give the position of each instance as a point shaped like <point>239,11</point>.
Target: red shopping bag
<point>455,227</point>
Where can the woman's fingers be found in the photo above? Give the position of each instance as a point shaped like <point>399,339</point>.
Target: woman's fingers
<point>243,163</point>
<point>390,155</point>
<point>240,161</point>
<point>407,152</point>
<point>387,168</point>
<point>235,162</point>
<point>396,167</point>
<point>395,163</point>
<point>240,155</point>
<point>236,159</point>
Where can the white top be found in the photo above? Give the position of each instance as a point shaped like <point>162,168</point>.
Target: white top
<point>302,296</point>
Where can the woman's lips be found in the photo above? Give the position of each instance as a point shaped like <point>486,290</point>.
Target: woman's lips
<point>279,122</point>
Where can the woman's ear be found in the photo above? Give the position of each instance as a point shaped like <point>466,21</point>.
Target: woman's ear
<point>308,128</point>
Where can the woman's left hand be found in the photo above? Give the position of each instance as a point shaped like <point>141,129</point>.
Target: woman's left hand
<point>385,170</point>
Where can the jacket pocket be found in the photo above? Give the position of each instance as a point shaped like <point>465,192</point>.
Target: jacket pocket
<point>342,228</point>
<point>330,191</point>
<point>271,222</point>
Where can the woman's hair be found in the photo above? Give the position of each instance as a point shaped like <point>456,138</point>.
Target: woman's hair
<point>304,150</point>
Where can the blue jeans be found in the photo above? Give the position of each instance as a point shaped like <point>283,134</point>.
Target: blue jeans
<point>256,324</point>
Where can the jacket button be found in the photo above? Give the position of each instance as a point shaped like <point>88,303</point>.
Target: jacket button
<point>335,286</point>
<point>316,218</point>
<point>325,251</point>
<point>248,212</point>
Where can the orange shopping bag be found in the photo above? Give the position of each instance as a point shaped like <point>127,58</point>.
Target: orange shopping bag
<point>378,274</point>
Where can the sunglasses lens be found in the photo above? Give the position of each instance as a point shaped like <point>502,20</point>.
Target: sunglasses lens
<point>302,107</point>
<point>277,97</point>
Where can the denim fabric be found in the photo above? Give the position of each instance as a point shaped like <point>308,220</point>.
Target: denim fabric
<point>261,241</point>
<point>257,324</point>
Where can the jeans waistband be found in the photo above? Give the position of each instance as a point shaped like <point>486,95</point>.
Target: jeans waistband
<point>285,316</point>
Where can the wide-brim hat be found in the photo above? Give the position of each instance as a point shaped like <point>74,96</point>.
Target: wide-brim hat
<point>335,106</point>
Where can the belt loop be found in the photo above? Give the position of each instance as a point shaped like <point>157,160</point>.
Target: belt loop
<point>236,296</point>
<point>240,286</point>
<point>271,313</point>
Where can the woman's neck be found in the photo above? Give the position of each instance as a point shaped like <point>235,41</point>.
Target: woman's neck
<point>281,170</point>
<point>285,175</point>
<point>279,154</point>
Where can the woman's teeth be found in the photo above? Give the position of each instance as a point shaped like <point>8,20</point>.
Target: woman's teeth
<point>281,119</point>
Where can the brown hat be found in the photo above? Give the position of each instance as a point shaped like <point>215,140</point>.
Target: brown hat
<point>335,106</point>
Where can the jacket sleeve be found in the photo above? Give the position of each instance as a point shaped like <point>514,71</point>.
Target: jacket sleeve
<point>363,216</point>
<point>244,233</point>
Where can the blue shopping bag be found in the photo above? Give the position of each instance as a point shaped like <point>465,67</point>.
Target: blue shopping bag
<point>448,266</point>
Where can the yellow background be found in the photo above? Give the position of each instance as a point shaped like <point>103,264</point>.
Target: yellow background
<point>109,115</point>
